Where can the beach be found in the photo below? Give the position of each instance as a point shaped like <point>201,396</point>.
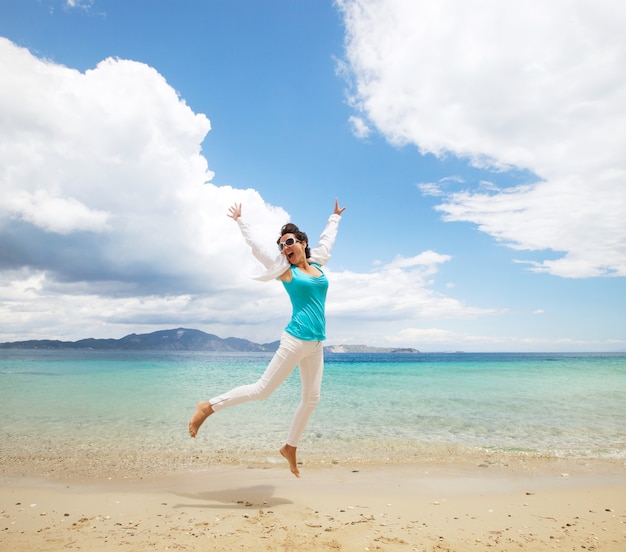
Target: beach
<point>498,504</point>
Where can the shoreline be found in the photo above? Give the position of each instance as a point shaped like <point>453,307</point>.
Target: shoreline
<point>60,463</point>
<point>508,504</point>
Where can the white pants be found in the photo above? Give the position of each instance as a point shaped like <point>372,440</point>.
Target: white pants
<point>309,355</point>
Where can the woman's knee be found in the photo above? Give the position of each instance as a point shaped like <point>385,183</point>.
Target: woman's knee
<point>263,389</point>
<point>312,400</point>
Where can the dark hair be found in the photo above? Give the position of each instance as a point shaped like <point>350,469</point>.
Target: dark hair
<point>291,228</point>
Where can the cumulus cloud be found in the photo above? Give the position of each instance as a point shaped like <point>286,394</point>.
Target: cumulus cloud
<point>107,206</point>
<point>110,222</point>
<point>398,291</point>
<point>530,85</point>
<point>103,179</point>
<point>55,214</point>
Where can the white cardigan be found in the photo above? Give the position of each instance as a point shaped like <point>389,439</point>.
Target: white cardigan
<point>276,265</point>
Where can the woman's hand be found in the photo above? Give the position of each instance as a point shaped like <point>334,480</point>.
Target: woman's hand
<point>338,210</point>
<point>234,212</point>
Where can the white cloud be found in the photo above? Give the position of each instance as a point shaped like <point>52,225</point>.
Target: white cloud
<point>81,4</point>
<point>535,85</point>
<point>427,261</point>
<point>398,291</point>
<point>359,127</point>
<point>109,223</point>
<point>111,160</point>
<point>55,214</point>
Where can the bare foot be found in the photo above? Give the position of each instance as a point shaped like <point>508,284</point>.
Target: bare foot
<point>289,453</point>
<point>203,411</point>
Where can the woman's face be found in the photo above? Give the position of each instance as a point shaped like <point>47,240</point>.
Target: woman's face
<point>293,249</point>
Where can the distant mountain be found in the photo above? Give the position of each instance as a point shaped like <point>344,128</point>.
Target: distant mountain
<point>180,339</point>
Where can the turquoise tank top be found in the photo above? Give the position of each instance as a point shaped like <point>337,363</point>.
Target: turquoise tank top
<point>308,300</point>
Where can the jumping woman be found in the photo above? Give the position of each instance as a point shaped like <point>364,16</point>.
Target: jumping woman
<point>300,270</point>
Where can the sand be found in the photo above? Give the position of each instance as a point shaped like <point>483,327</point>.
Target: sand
<point>530,505</point>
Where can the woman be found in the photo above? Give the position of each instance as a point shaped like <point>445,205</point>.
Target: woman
<point>299,269</point>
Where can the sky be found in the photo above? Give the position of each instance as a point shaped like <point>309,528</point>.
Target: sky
<point>479,149</point>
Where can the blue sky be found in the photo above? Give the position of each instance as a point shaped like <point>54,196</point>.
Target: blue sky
<point>479,152</point>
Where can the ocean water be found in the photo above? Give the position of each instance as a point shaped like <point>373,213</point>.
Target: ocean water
<point>115,404</point>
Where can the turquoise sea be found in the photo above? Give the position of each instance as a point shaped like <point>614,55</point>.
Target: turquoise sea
<point>118,404</point>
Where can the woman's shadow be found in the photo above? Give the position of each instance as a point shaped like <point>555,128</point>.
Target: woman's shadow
<point>244,497</point>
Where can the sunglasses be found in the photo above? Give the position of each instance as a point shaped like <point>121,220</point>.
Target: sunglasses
<point>288,242</point>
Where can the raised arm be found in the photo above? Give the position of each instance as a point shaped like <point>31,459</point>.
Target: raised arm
<point>276,264</point>
<point>321,252</point>
<point>266,258</point>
